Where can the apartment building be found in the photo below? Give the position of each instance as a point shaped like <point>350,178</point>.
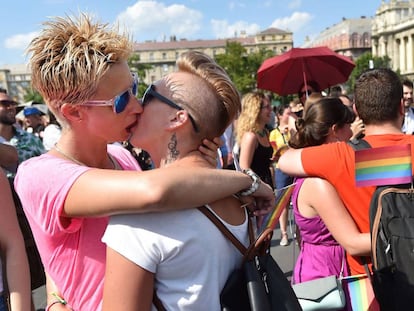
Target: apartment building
<point>161,56</point>
<point>390,32</point>
<point>15,79</point>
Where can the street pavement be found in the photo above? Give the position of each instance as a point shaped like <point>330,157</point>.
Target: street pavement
<point>285,256</point>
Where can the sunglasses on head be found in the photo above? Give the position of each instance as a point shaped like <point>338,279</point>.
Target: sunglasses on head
<point>119,102</point>
<point>150,93</point>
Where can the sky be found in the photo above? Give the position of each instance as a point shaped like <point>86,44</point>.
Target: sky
<point>157,20</point>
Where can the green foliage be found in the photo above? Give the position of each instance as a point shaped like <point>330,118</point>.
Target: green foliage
<point>242,66</point>
<point>33,95</point>
<point>362,64</point>
<point>140,70</point>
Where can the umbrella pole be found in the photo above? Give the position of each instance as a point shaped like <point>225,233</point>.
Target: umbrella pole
<point>304,79</point>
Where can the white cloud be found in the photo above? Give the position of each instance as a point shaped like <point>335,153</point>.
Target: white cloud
<point>294,23</point>
<point>295,4</point>
<point>154,20</point>
<point>222,29</point>
<point>19,41</point>
<point>234,5</point>
<point>267,4</point>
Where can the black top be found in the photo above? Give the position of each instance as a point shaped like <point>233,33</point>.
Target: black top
<point>261,163</point>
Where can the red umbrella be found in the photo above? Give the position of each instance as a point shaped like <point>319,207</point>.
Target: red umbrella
<point>285,74</point>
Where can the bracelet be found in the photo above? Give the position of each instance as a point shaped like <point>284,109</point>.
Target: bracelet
<point>59,300</point>
<point>52,304</point>
<point>255,184</point>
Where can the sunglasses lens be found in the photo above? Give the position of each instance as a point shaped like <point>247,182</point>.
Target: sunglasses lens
<point>304,93</point>
<point>134,88</point>
<point>121,102</point>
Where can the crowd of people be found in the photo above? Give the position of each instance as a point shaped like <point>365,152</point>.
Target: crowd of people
<point>87,176</point>
<point>117,233</point>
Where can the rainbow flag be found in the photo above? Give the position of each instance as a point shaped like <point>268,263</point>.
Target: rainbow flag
<point>282,200</point>
<point>389,165</point>
<point>359,293</point>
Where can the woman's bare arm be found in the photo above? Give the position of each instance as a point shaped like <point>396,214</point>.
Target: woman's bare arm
<point>12,246</point>
<point>8,157</point>
<point>100,192</point>
<point>322,196</point>
<point>128,287</point>
<point>247,147</point>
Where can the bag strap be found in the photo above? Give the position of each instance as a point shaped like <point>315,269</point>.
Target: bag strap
<point>226,232</point>
<point>157,302</point>
<point>358,144</point>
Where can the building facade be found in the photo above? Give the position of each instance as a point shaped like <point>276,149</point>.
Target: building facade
<point>393,35</point>
<point>15,79</point>
<point>350,37</point>
<point>161,56</point>
<point>390,32</point>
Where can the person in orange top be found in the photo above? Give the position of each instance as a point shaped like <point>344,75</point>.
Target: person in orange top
<point>378,102</point>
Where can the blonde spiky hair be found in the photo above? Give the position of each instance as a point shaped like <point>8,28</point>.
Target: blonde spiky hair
<point>70,56</point>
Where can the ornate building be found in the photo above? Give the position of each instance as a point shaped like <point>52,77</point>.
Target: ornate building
<point>393,35</point>
<point>350,37</point>
<point>162,55</point>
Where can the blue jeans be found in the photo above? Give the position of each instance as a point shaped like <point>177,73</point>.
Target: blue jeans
<point>282,180</point>
<point>3,306</point>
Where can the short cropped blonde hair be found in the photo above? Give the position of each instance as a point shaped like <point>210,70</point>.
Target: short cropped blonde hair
<point>71,55</point>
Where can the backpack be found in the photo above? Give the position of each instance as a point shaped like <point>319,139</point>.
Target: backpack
<point>259,284</point>
<point>391,217</point>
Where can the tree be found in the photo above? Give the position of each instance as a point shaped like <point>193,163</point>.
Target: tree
<point>242,66</point>
<point>363,63</point>
<point>33,95</point>
<point>140,70</point>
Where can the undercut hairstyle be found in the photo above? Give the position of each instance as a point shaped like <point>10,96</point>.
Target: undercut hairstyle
<point>213,106</point>
<point>70,56</point>
<point>313,129</point>
<point>377,96</point>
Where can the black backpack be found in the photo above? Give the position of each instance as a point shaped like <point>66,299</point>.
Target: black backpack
<point>391,216</point>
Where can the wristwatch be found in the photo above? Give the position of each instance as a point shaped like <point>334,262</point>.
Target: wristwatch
<point>255,184</point>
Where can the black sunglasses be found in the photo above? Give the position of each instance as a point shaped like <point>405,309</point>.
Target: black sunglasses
<point>8,103</point>
<point>150,93</point>
<point>304,93</point>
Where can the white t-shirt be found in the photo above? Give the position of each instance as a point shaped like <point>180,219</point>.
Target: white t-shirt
<point>408,125</point>
<point>51,135</point>
<point>192,259</point>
